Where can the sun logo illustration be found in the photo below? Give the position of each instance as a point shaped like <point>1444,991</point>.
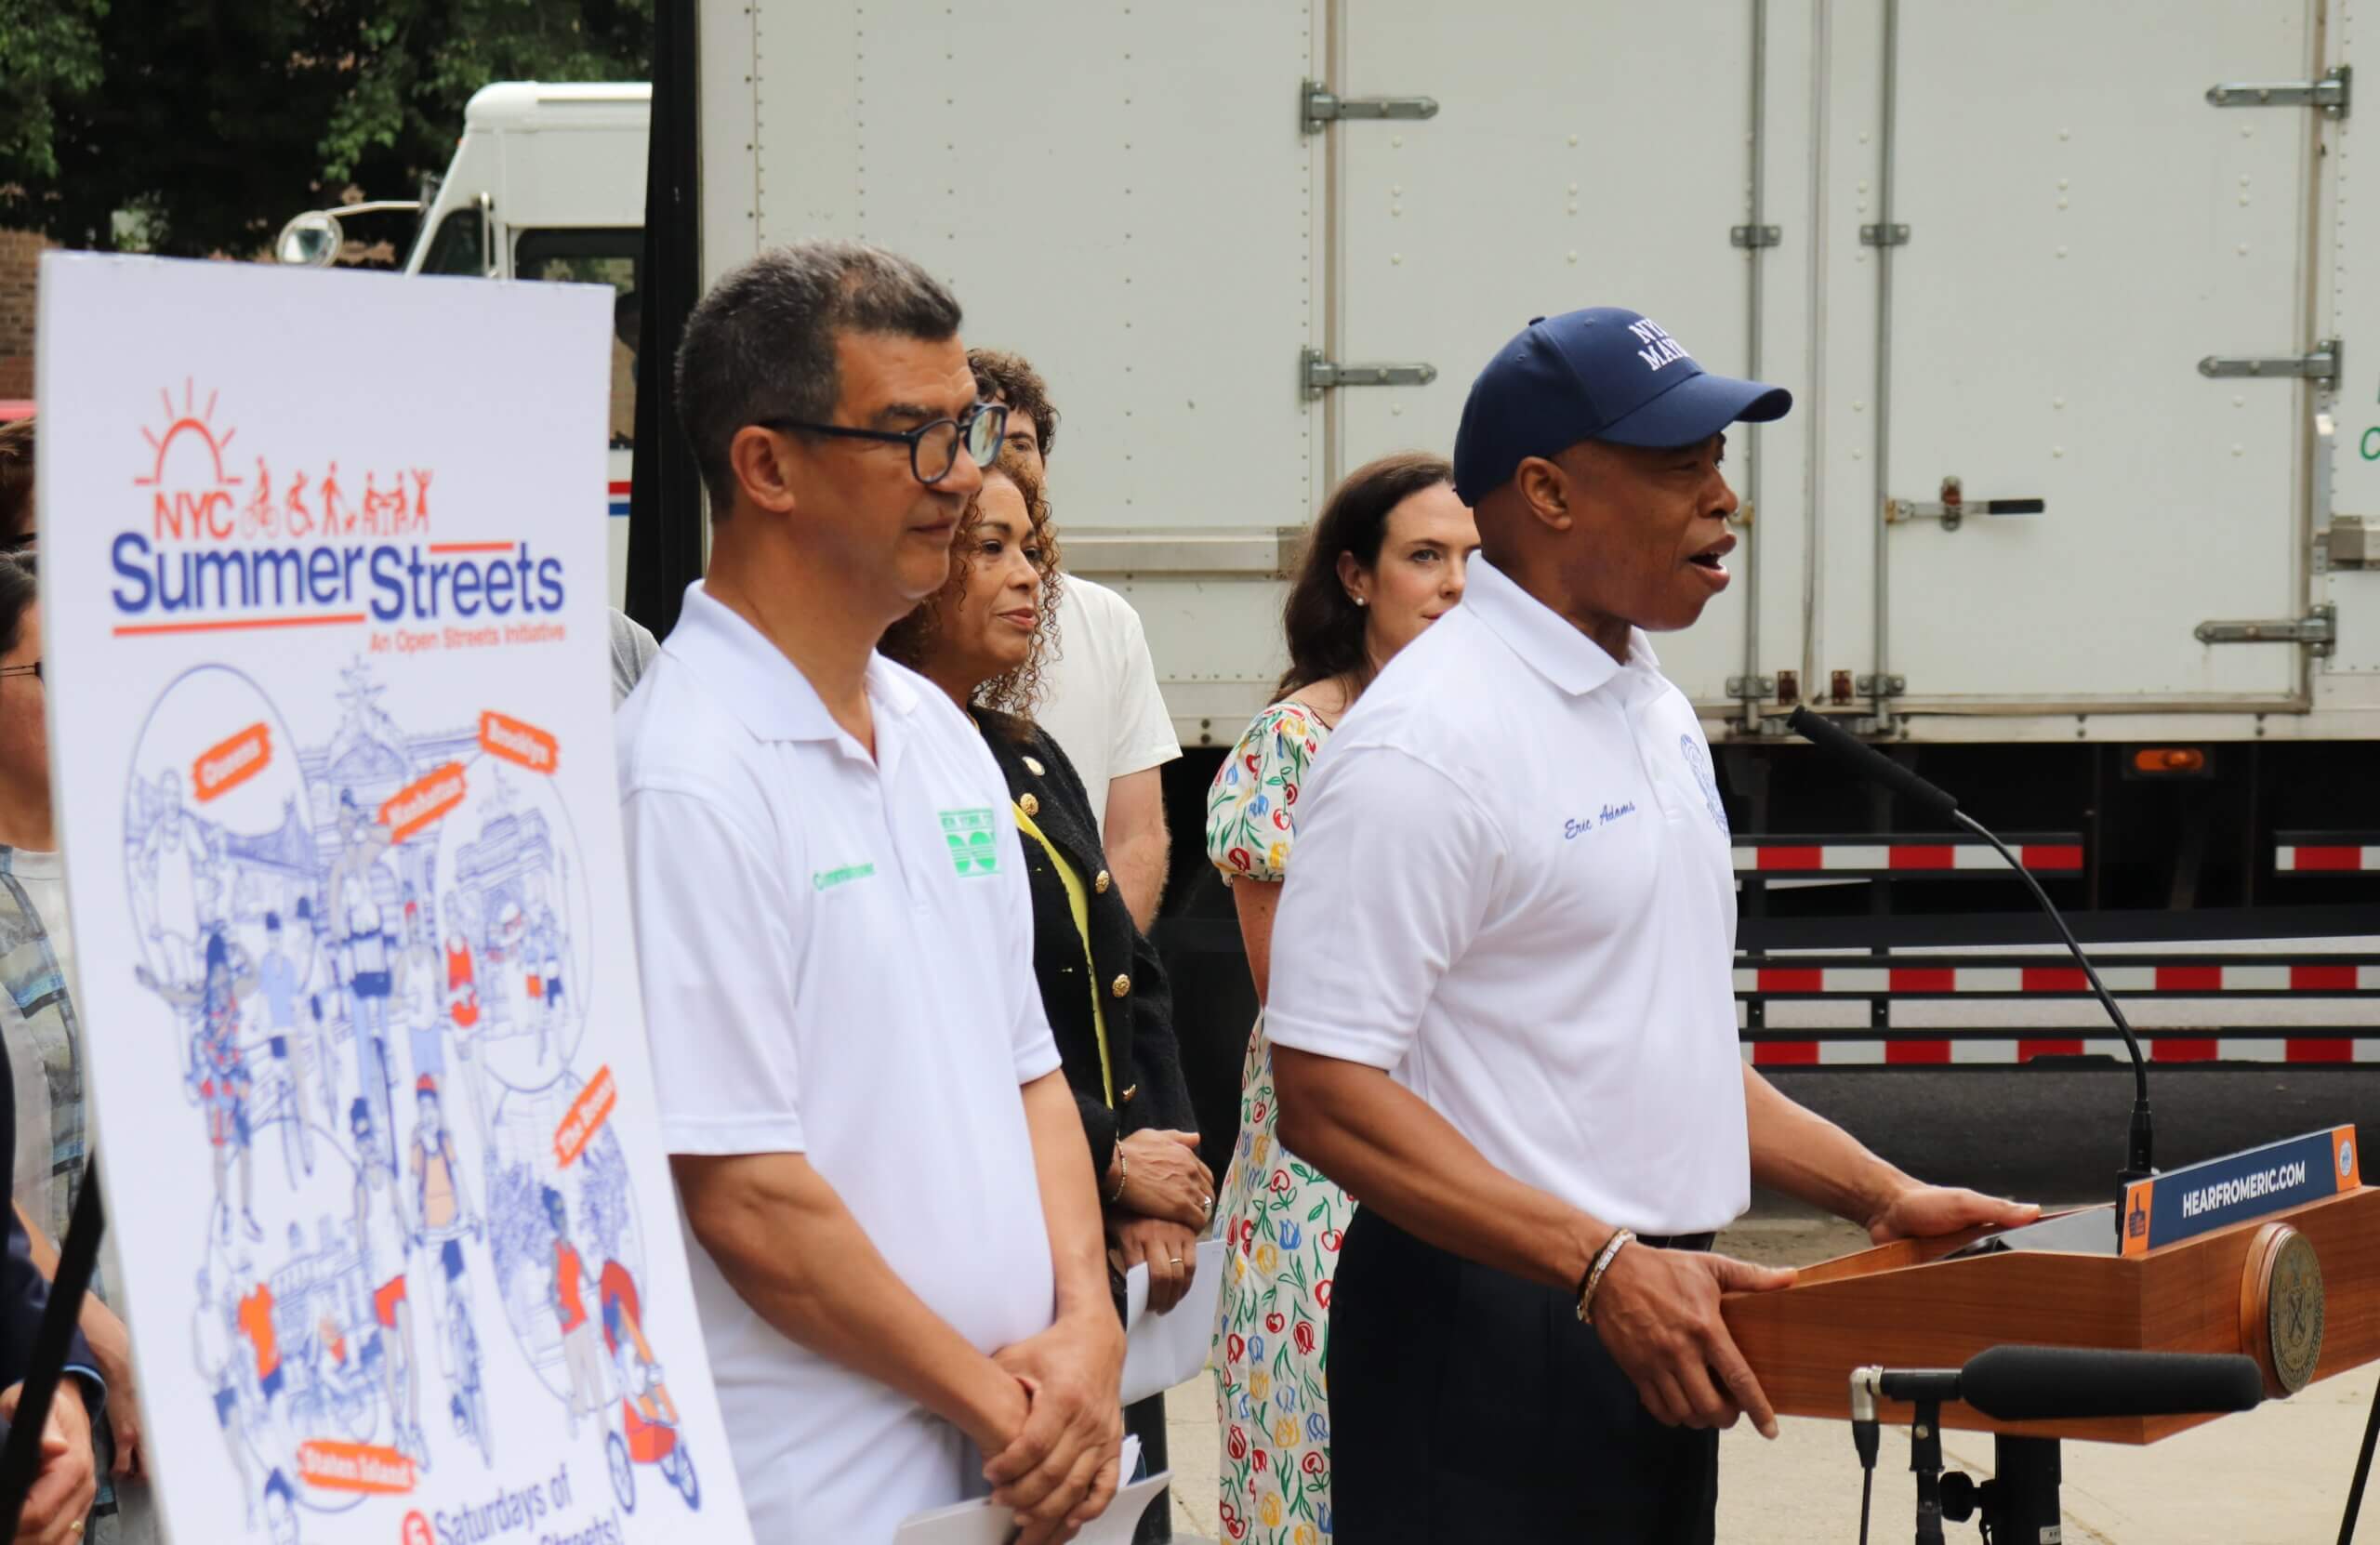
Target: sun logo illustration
<point>189,423</point>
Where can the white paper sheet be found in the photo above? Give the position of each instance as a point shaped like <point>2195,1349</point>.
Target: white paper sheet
<point>979,1523</point>
<point>1161,1350</point>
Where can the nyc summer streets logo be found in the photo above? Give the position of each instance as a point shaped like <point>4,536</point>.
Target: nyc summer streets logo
<point>226,534</point>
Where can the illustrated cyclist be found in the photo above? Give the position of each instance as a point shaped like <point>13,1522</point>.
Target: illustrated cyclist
<point>217,1071</point>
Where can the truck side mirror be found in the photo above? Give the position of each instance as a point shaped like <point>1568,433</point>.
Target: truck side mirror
<point>312,240</point>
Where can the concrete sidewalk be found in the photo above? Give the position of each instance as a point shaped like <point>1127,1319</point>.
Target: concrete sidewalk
<point>2274,1477</point>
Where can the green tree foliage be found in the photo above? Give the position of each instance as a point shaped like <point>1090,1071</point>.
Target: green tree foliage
<point>197,126</point>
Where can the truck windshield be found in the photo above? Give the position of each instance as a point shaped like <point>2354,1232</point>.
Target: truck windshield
<point>596,256</point>
<point>458,246</point>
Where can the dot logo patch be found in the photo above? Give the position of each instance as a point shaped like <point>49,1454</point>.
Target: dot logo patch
<point>1697,762</point>
<point>974,841</point>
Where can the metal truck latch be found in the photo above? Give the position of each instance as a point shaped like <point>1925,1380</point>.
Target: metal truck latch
<point>1324,107</point>
<point>2320,363</point>
<point>2330,93</point>
<point>2350,542</point>
<point>1954,507</point>
<point>2317,631</point>
<point>1321,374</point>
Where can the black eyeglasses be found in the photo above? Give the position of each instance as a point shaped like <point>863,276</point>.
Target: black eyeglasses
<point>934,448</point>
<point>33,670</point>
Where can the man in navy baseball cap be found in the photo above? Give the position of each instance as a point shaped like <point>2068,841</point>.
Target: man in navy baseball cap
<point>1603,373</point>
<point>1499,1006</point>
<point>1590,451</point>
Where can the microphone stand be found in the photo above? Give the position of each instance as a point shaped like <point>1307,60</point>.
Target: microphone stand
<point>2138,1151</point>
<point>1875,766</point>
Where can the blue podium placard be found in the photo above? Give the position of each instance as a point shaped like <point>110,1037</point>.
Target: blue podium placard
<point>2183,1204</point>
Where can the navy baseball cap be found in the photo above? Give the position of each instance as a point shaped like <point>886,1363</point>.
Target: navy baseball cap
<point>1600,374</point>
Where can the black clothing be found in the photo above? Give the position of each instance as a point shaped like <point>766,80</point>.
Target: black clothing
<point>1145,1062</point>
<point>1466,1403</point>
<point>24,1292</point>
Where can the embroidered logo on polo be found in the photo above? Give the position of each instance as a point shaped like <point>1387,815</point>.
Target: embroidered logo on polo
<point>1698,761</point>
<point>974,847</point>
<point>826,879</point>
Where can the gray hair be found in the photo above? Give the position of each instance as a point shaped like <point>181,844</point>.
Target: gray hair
<point>761,344</point>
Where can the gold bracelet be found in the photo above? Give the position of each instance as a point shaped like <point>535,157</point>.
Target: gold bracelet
<point>1121,1172</point>
<point>1604,1259</point>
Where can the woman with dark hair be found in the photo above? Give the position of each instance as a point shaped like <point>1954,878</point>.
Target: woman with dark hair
<point>983,640</point>
<point>1384,561</point>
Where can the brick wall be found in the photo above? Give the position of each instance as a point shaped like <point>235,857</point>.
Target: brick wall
<point>20,255</point>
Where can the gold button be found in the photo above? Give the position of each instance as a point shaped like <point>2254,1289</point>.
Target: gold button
<point>1118,987</point>
<point>1030,805</point>
<point>1033,767</point>
<point>1101,883</point>
<point>1126,1098</point>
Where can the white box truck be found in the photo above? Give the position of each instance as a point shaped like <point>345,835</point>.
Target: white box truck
<point>2075,511</point>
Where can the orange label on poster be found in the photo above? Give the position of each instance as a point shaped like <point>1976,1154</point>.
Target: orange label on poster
<point>516,742</point>
<point>220,769</point>
<point>361,1467</point>
<point>422,801</point>
<point>586,1113</point>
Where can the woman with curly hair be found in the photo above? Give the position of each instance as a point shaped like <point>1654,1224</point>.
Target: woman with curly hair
<point>983,640</point>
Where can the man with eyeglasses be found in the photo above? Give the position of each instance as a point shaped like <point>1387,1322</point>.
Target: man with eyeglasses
<point>901,1277</point>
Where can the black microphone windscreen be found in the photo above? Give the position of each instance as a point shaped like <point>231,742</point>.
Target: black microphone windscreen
<point>2041,1383</point>
<point>1870,763</point>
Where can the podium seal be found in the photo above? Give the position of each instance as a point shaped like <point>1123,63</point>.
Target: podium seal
<point>2281,1308</point>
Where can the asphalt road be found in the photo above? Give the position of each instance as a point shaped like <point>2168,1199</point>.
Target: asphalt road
<point>2057,1135</point>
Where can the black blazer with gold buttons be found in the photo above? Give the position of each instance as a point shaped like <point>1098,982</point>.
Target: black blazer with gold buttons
<point>1142,1054</point>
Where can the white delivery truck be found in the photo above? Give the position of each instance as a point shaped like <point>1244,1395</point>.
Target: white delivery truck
<point>548,183</point>
<point>2075,510</point>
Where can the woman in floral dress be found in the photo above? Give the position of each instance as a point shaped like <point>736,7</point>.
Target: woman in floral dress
<point>1384,561</point>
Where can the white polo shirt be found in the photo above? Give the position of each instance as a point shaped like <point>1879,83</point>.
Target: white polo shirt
<point>1100,699</point>
<point>837,957</point>
<point>1513,890</point>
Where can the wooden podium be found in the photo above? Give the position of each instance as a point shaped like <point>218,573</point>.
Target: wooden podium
<point>1905,1306</point>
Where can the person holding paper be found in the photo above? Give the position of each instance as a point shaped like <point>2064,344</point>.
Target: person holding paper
<point>901,1275</point>
<point>983,640</point>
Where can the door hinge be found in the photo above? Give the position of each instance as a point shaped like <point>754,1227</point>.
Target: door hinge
<point>1751,689</point>
<point>1321,374</point>
<point>1883,235</point>
<point>2319,363</point>
<point>1894,686</point>
<point>2317,631</point>
<point>2330,93</point>
<point>1756,235</point>
<point>1324,107</point>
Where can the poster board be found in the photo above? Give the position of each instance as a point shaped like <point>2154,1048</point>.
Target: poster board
<point>329,717</point>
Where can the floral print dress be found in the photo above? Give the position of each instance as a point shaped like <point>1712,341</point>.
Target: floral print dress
<point>1283,1219</point>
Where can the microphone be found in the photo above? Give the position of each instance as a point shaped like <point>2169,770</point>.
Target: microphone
<point>1877,768</point>
<point>2044,1383</point>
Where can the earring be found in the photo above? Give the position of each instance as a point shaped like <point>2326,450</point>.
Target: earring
<point>1358,600</point>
